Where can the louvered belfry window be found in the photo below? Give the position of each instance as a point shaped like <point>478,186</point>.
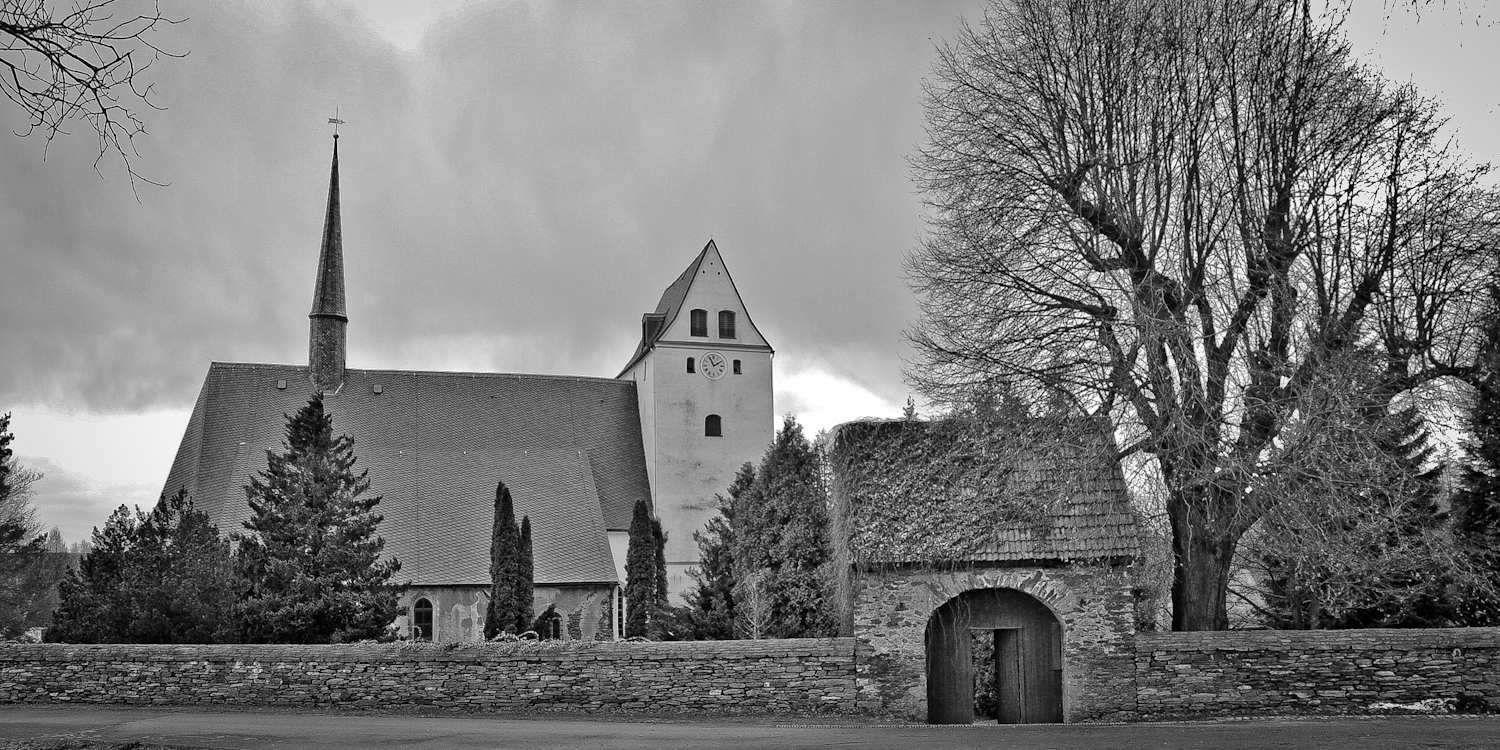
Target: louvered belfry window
<point>726,324</point>
<point>700,322</point>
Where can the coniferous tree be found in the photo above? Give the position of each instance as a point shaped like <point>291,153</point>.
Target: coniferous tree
<point>712,601</point>
<point>505,542</point>
<point>659,540</point>
<point>1357,540</point>
<point>159,577</point>
<point>782,538</point>
<point>91,608</point>
<point>525,579</point>
<point>640,572</point>
<point>310,562</point>
<point>1476,505</point>
<point>28,574</point>
<point>1413,598</point>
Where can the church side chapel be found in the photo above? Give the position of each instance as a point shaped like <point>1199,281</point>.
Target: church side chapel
<point>691,405</point>
<point>985,568</point>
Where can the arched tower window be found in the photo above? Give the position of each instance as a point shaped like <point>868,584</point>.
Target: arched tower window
<point>726,324</point>
<point>699,320</point>
<point>421,620</point>
<point>713,426</point>
<point>692,366</point>
<point>736,367</point>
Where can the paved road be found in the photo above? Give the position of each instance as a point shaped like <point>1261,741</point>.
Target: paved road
<point>202,729</point>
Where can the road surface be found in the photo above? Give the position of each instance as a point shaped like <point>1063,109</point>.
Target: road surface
<point>335,731</point>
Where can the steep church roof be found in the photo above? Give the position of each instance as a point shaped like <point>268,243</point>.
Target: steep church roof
<point>435,444</point>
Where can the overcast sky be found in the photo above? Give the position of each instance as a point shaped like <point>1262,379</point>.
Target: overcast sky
<point>520,182</point>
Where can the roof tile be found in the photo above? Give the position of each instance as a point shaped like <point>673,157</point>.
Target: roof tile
<point>435,444</point>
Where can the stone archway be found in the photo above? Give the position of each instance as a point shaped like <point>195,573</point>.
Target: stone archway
<point>1028,657</point>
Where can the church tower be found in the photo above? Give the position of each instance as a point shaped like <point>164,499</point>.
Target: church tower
<point>704,388</point>
<point>327,344</point>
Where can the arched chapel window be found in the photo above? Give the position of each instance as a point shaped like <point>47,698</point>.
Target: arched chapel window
<point>691,365</point>
<point>421,626</point>
<point>713,426</point>
<point>699,320</point>
<point>726,324</point>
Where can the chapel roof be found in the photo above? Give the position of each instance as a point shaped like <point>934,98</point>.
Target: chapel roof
<point>435,445</point>
<point>1051,490</point>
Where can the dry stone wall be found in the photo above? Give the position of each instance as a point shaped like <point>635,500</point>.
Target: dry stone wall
<point>739,677</point>
<point>1317,672</point>
<point>1159,676</point>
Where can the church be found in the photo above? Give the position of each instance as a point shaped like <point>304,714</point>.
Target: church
<point>691,404</point>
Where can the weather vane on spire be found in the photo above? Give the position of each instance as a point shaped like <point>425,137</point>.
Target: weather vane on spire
<point>335,122</point>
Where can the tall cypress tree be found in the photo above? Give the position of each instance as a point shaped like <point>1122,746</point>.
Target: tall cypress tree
<point>659,540</point>
<point>311,561</point>
<point>640,572</point>
<point>1476,505</point>
<point>505,542</point>
<point>525,578</point>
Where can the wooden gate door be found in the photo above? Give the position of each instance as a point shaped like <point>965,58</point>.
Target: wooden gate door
<point>1028,658</point>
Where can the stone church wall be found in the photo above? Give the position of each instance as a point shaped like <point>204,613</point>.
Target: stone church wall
<point>458,611</point>
<point>891,610</point>
<point>704,677</point>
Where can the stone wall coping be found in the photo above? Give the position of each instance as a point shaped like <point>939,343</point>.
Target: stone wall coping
<point>532,651</point>
<point>1366,639</point>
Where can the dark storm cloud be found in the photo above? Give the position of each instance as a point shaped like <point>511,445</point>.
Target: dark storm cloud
<point>516,192</point>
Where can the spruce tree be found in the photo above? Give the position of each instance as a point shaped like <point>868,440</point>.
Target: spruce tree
<point>782,536</point>
<point>712,600</point>
<point>505,542</point>
<point>159,577</point>
<point>1414,598</point>
<point>1476,504</point>
<point>640,572</point>
<point>310,562</point>
<point>91,607</point>
<point>525,579</point>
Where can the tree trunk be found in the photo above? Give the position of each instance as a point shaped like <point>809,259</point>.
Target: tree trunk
<point>1201,561</point>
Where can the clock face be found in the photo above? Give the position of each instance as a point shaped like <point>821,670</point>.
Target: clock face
<point>713,365</point>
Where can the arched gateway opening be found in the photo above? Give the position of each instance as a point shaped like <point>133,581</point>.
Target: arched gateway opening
<point>1026,639</point>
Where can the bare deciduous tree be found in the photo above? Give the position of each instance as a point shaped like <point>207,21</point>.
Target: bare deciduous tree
<point>85,60</point>
<point>1176,215</point>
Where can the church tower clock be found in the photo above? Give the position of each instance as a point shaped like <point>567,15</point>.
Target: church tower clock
<point>703,383</point>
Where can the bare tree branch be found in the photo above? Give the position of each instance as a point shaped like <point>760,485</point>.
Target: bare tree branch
<point>85,60</point>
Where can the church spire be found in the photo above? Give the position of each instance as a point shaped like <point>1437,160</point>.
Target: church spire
<point>328,320</point>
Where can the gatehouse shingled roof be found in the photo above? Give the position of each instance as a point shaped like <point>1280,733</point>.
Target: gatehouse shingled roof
<point>1055,493</point>
<point>435,444</point>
